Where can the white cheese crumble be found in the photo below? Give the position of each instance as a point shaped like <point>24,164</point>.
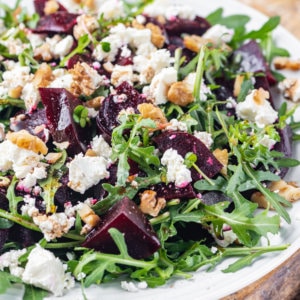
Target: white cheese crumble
<point>175,125</point>
<point>267,142</point>
<point>46,271</point>
<point>260,113</point>
<point>121,74</point>
<point>204,137</point>
<point>55,225</point>
<point>25,163</point>
<point>63,79</point>
<point>10,260</point>
<point>86,171</point>
<point>170,10</point>
<point>30,95</point>
<point>101,147</point>
<point>204,89</point>
<point>63,47</point>
<point>176,169</point>
<point>111,9</point>
<point>132,286</point>
<point>219,33</point>
<point>160,84</point>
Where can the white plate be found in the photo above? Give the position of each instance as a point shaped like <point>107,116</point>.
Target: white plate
<point>215,284</point>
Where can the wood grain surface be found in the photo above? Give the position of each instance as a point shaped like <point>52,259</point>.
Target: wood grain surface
<point>283,283</point>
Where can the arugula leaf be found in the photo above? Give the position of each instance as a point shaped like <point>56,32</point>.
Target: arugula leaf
<point>6,280</point>
<point>12,198</point>
<point>34,293</point>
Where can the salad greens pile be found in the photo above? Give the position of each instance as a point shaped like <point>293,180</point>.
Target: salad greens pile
<point>250,164</point>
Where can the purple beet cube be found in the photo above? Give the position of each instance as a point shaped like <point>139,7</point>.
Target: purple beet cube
<point>59,22</point>
<point>59,105</point>
<point>126,217</point>
<point>184,143</point>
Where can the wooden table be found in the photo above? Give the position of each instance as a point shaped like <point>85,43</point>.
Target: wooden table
<point>283,283</point>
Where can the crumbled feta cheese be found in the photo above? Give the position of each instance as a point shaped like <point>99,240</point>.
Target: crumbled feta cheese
<point>29,208</point>
<point>25,163</point>
<point>204,137</point>
<point>176,169</point>
<point>170,10</point>
<point>63,79</point>
<point>204,89</point>
<point>46,271</point>
<point>256,109</point>
<point>111,9</point>
<point>86,171</point>
<point>35,40</point>
<point>121,74</point>
<point>267,142</point>
<point>101,147</point>
<point>176,125</point>
<point>10,260</point>
<point>160,84</point>
<point>219,33</point>
<point>14,46</point>
<point>290,88</point>
<point>30,95</point>
<point>53,226</point>
<point>63,47</point>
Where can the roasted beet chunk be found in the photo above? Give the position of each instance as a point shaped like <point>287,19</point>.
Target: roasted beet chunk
<point>171,191</point>
<point>60,104</point>
<point>125,216</point>
<point>125,97</point>
<point>184,142</point>
<point>179,26</point>
<point>39,6</point>
<point>3,231</point>
<point>59,22</point>
<point>253,61</point>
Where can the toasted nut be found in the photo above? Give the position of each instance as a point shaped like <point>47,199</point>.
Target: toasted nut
<point>51,6</point>
<point>157,37</point>
<point>222,157</point>
<point>53,157</point>
<point>152,112</point>
<point>150,204</point>
<point>43,76</point>
<point>4,181</point>
<point>288,190</point>
<point>90,152</point>
<point>86,24</point>
<point>195,42</point>
<point>24,139</point>
<point>181,93</point>
<point>87,215</point>
<point>15,92</point>
<point>260,96</point>
<point>95,103</point>
<point>290,88</point>
<point>286,63</point>
<point>43,52</point>
<point>238,85</point>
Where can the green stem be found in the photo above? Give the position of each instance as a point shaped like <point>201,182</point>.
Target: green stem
<point>13,102</point>
<point>161,218</point>
<point>203,175</point>
<point>62,245</point>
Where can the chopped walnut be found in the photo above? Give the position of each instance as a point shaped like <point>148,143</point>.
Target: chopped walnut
<point>286,63</point>
<point>108,66</point>
<point>222,156</point>
<point>290,87</point>
<point>88,216</point>
<point>260,96</point>
<point>95,103</point>
<point>150,204</point>
<point>24,139</point>
<point>4,181</point>
<point>238,85</point>
<point>181,93</point>
<point>51,6</point>
<point>53,157</point>
<point>85,79</point>
<point>90,152</point>
<point>157,37</point>
<point>15,92</point>
<point>122,73</point>
<point>43,76</point>
<point>288,190</point>
<point>150,111</point>
<point>86,24</point>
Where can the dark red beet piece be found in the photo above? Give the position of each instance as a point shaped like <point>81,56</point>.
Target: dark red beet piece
<point>170,191</point>
<point>60,104</point>
<point>253,61</point>
<point>33,122</point>
<point>179,26</point>
<point>125,97</point>
<point>3,232</point>
<point>184,142</point>
<point>125,216</point>
<point>39,6</point>
<point>59,22</point>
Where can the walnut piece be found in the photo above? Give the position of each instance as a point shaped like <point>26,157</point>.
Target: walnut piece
<point>260,96</point>
<point>43,76</point>
<point>150,204</point>
<point>150,111</point>
<point>25,140</point>
<point>288,190</point>
<point>239,79</point>
<point>88,216</point>
<point>222,156</point>
<point>51,6</point>
<point>15,92</point>
<point>286,63</point>
<point>86,24</point>
<point>290,87</point>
